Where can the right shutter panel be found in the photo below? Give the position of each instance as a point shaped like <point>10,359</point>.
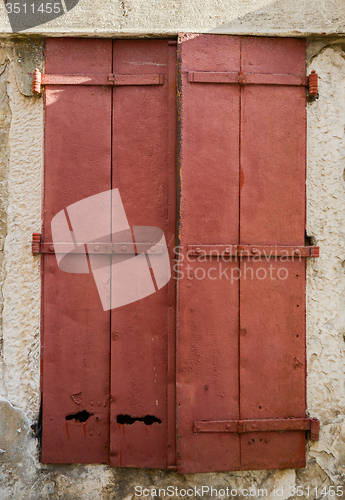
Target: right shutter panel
<point>241,342</point>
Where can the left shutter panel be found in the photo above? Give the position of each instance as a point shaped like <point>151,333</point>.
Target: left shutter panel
<point>76,349</point>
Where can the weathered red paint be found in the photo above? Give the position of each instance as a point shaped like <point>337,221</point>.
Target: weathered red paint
<point>241,344</point>
<point>243,194</point>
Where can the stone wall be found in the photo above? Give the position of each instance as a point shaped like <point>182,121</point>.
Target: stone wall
<point>22,476</point>
<point>159,17</point>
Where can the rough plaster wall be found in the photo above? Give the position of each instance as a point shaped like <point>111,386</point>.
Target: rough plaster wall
<point>21,272</point>
<point>326,276</point>
<point>21,136</point>
<point>145,17</point>
<point>5,120</point>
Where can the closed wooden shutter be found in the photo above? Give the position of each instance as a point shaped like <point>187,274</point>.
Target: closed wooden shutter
<point>241,324</point>
<point>108,377</point>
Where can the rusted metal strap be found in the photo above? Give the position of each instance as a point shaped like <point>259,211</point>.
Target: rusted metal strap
<point>39,79</point>
<point>265,251</point>
<point>99,248</point>
<point>242,78</point>
<point>262,425</point>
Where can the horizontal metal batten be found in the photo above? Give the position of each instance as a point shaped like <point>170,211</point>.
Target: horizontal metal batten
<point>262,425</point>
<point>99,248</point>
<point>265,251</point>
<point>40,79</point>
<point>242,78</point>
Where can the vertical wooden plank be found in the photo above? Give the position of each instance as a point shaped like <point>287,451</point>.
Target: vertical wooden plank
<point>273,145</point>
<point>144,154</point>
<point>207,304</point>
<point>75,344</point>
<point>272,292</point>
<point>172,212</point>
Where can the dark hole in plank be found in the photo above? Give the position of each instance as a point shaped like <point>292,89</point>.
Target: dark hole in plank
<point>81,416</point>
<point>127,419</point>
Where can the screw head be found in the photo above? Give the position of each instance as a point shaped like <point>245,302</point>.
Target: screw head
<point>51,248</point>
<point>153,249</point>
<point>297,252</point>
<point>254,250</point>
<point>124,248</point>
<point>96,248</point>
<point>227,250</point>
<point>198,250</point>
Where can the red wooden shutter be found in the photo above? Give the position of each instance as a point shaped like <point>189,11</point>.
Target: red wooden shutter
<point>108,376</point>
<point>241,342</point>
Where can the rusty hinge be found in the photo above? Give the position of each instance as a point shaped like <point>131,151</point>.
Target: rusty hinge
<point>313,83</point>
<point>97,248</point>
<point>262,425</point>
<point>242,78</point>
<point>265,251</point>
<point>39,79</point>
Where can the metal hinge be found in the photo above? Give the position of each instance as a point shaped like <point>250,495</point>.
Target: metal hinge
<point>242,78</point>
<point>262,425</point>
<point>39,79</point>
